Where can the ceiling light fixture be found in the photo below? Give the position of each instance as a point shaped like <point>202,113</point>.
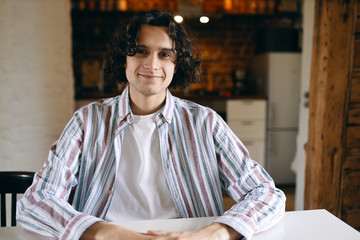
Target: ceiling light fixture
<point>178,19</point>
<point>204,19</point>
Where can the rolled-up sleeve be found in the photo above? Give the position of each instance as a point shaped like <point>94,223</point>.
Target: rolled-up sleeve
<point>44,208</point>
<point>260,204</point>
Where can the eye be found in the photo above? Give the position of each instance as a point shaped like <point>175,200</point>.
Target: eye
<point>165,54</point>
<point>141,51</point>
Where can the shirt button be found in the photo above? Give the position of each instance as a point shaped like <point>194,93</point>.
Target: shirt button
<point>110,192</point>
<point>121,117</point>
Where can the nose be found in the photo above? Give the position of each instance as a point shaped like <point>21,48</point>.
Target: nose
<point>152,62</point>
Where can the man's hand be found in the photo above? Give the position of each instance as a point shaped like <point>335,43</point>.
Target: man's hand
<point>215,231</point>
<point>106,231</point>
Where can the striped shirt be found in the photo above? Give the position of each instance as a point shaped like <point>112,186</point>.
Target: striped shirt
<point>200,156</point>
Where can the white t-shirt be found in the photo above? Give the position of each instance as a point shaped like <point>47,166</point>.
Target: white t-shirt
<point>141,191</point>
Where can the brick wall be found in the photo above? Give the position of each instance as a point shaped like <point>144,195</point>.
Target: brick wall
<point>225,45</point>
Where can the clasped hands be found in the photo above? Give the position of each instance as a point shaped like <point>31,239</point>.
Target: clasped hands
<point>105,231</point>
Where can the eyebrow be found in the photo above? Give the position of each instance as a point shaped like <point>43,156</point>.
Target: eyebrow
<point>163,49</point>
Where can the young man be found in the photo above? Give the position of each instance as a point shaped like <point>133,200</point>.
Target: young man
<point>149,155</point>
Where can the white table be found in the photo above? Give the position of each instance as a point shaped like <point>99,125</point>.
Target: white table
<point>298,225</point>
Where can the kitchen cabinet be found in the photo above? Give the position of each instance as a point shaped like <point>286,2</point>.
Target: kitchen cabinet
<point>247,118</point>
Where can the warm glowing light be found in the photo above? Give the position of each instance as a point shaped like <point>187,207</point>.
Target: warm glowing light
<point>228,5</point>
<point>178,19</point>
<point>204,19</point>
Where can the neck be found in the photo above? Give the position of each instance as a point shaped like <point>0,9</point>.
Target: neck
<point>144,105</point>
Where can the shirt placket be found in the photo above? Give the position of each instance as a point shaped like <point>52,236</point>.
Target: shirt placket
<point>169,168</point>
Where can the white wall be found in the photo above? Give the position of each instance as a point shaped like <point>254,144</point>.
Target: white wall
<point>36,79</point>
<point>299,162</point>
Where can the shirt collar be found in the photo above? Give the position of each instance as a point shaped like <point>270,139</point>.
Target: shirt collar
<point>125,110</point>
<point>168,109</point>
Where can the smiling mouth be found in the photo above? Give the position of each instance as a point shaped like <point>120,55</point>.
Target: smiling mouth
<point>150,76</point>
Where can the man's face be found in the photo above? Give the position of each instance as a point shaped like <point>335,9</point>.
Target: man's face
<point>151,69</point>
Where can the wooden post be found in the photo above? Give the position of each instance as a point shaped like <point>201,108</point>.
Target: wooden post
<point>329,96</point>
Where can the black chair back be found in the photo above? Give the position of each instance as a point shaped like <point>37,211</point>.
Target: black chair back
<point>13,183</point>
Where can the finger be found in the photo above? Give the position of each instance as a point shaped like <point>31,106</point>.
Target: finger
<point>156,233</point>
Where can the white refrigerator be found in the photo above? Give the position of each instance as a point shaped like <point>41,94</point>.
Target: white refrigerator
<point>277,75</point>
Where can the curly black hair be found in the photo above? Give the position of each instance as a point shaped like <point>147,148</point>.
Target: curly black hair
<point>124,43</point>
